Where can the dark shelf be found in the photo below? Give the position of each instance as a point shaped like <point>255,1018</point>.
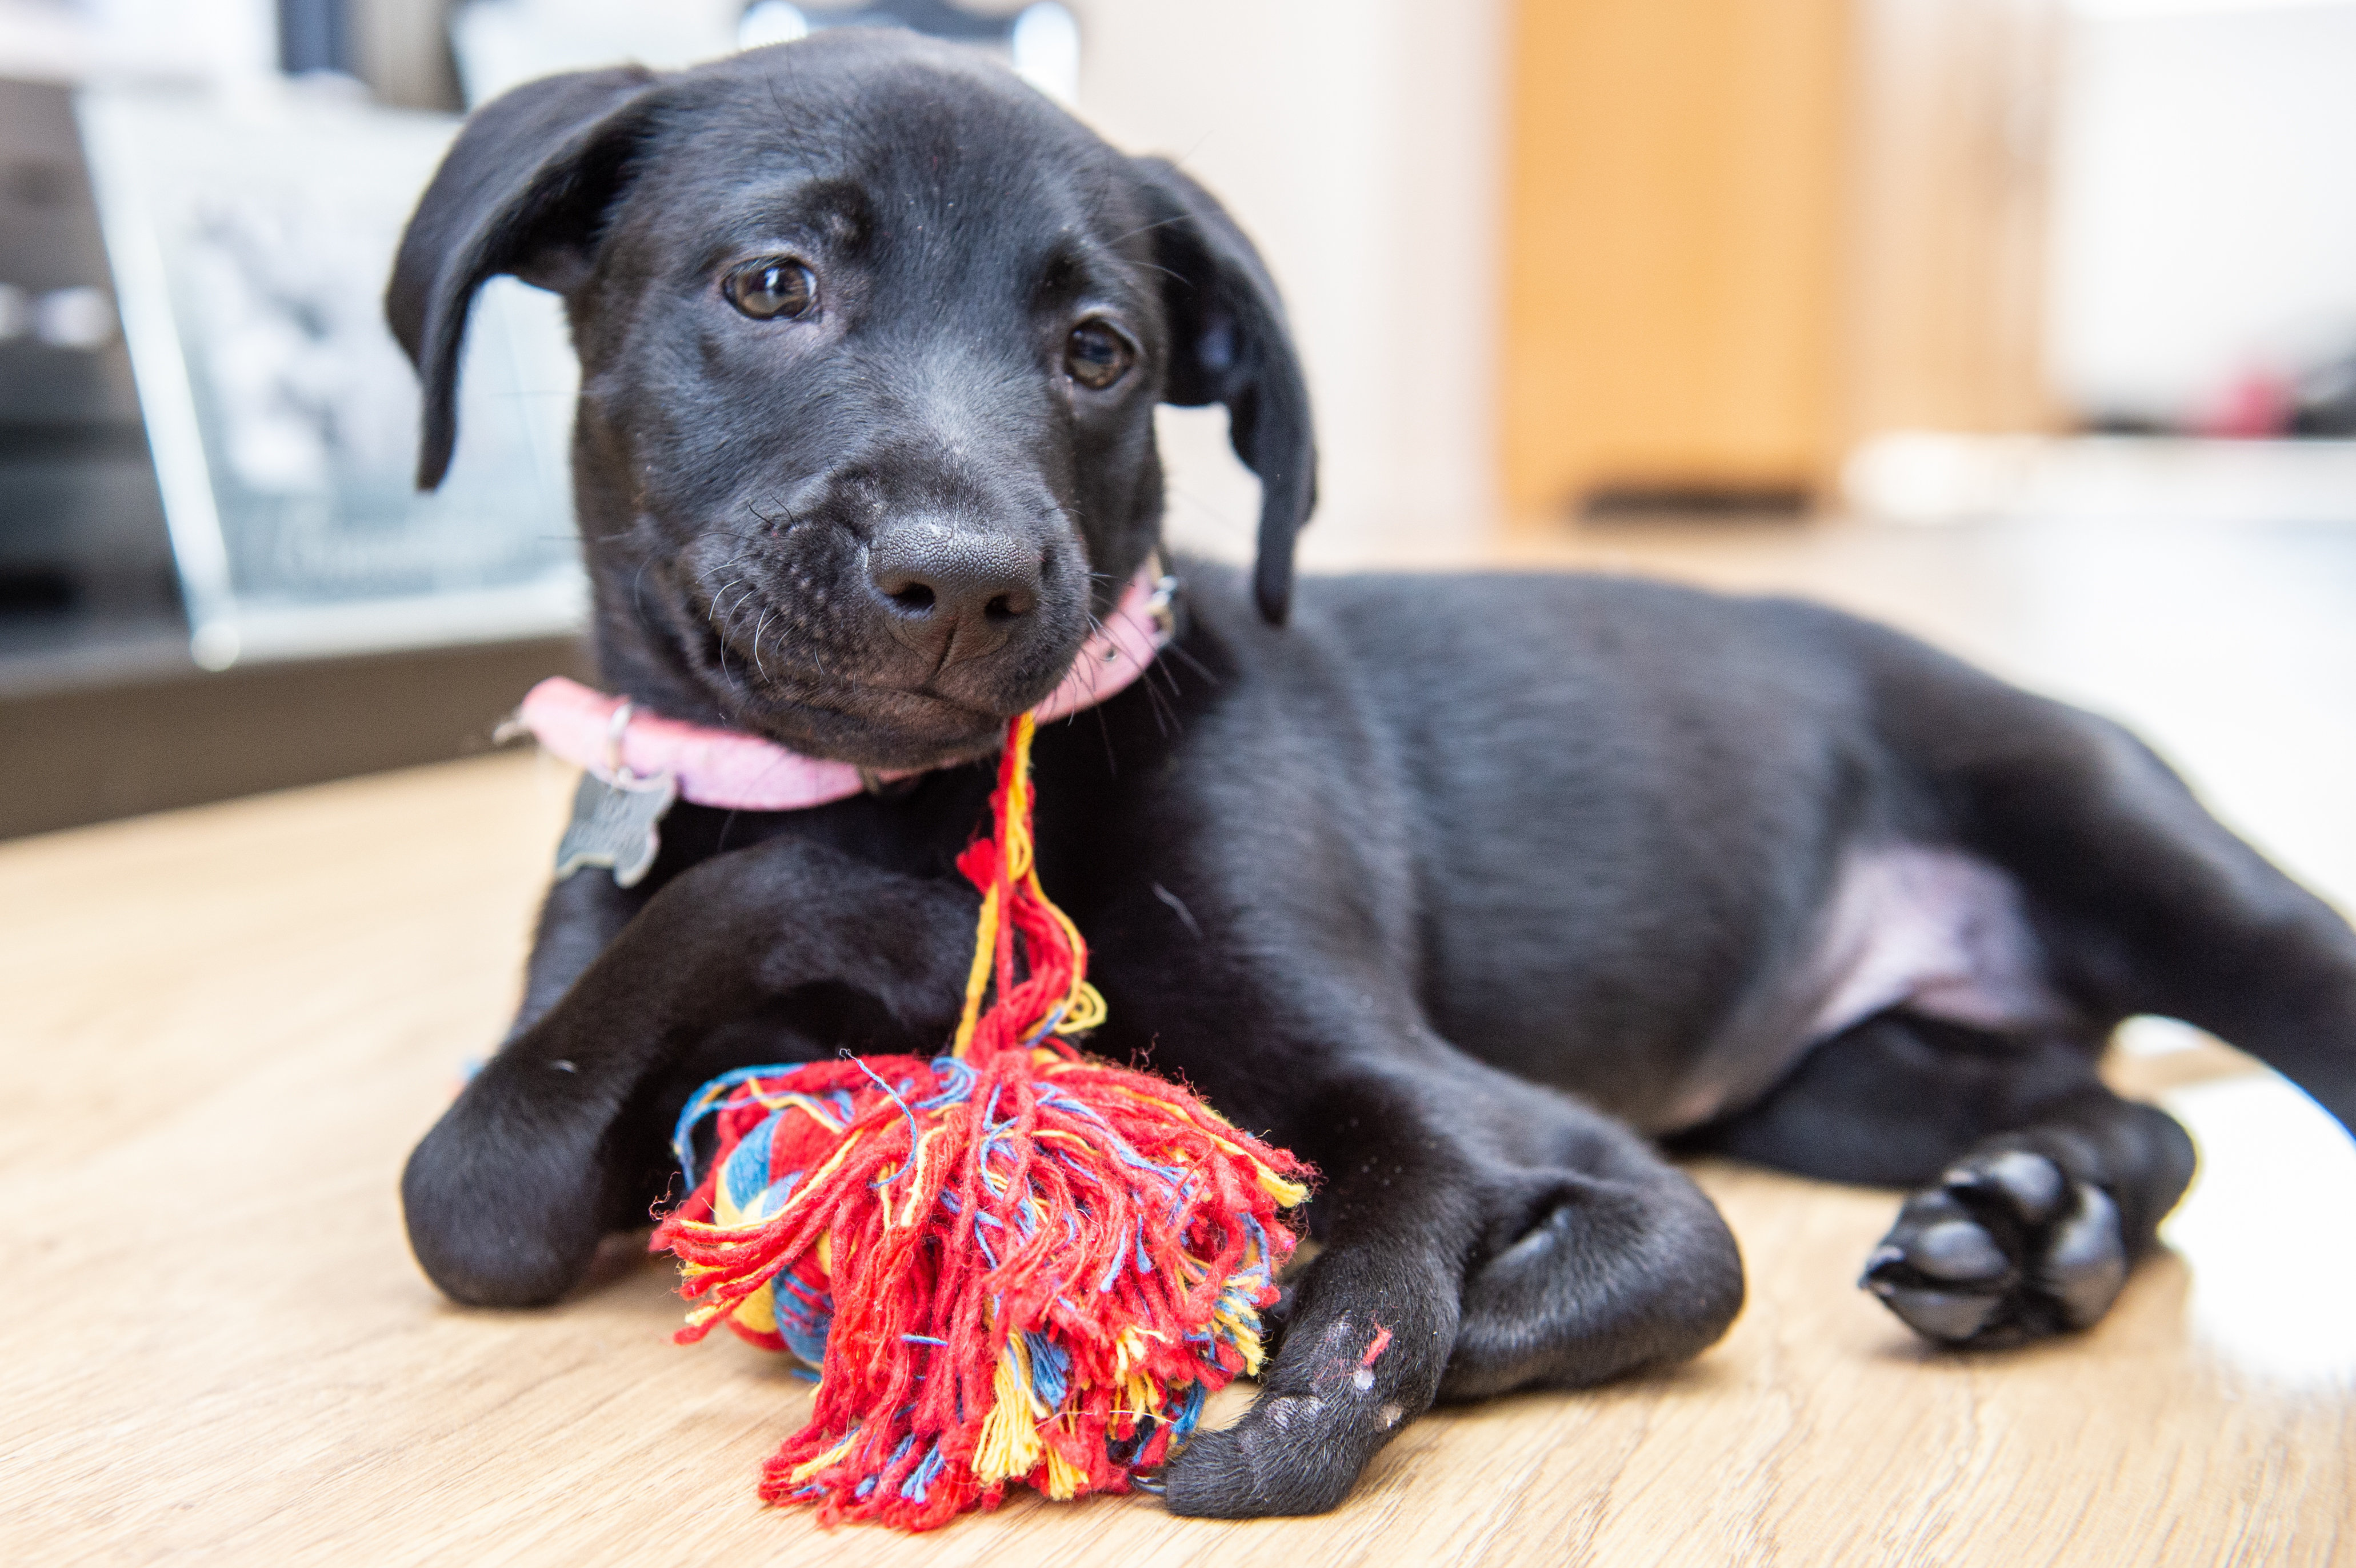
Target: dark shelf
<point>122,722</point>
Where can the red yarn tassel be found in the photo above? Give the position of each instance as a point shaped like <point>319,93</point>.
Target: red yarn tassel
<point>1010,1263</point>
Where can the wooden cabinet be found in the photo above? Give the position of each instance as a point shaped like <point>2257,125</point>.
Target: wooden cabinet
<point>1743,233</point>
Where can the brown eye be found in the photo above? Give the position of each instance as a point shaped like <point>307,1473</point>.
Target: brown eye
<point>1095,356</point>
<point>771,289</point>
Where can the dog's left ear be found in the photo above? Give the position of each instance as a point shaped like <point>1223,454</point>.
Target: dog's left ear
<point>1229,344</point>
<point>521,191</point>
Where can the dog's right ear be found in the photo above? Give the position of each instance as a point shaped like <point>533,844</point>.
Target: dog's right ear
<point>521,191</point>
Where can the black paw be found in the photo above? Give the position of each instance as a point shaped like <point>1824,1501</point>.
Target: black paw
<point>2007,1248</point>
<point>1322,1414</point>
<point>507,1197</point>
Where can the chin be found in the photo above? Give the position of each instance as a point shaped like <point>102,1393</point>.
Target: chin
<point>889,731</point>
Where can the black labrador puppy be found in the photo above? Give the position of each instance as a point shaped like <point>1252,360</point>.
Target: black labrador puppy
<point>1462,888</point>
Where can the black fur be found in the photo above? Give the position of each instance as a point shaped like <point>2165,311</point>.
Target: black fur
<point>1458,886</point>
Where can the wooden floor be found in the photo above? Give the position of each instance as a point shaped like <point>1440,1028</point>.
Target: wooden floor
<point>223,1028</point>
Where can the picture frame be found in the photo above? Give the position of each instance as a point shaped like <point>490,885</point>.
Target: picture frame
<point>250,241</point>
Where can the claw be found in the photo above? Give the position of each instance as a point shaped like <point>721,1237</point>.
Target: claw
<point>1883,1257</point>
<point>1939,1314</point>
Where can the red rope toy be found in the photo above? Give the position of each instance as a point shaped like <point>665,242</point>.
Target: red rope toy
<point>1010,1263</point>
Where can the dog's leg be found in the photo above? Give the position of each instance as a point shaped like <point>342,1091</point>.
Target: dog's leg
<point>579,919</point>
<point>1599,1258</point>
<point>2144,902</point>
<point>1369,1327</point>
<point>2150,904</point>
<point>548,1148</point>
<point>2038,1188</point>
<point>2147,904</point>
<point>1479,1234</point>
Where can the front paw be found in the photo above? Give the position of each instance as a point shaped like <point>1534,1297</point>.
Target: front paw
<point>2005,1248</point>
<point>507,1197</point>
<point>1323,1410</point>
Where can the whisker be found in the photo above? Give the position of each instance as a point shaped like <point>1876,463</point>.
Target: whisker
<point>1148,228</point>
<point>1192,663</point>
<point>1171,678</point>
<point>1104,733</point>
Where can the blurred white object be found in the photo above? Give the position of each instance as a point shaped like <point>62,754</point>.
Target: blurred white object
<point>2204,203</point>
<point>2183,7</point>
<point>2147,1035</point>
<point>505,43</point>
<point>220,42</point>
<point>16,312</point>
<point>1046,46</point>
<point>1042,44</point>
<point>770,22</point>
<point>1923,476</point>
<point>2262,1230</point>
<point>77,318</point>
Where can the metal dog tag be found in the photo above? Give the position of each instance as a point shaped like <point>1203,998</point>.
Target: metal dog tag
<point>614,825</point>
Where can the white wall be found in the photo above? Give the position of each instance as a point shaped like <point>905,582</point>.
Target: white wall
<point>2204,200</point>
<point>1360,143</point>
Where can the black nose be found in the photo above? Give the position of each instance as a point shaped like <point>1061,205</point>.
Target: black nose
<point>953,592</point>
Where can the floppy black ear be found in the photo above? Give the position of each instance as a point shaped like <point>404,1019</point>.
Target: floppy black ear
<point>521,191</point>
<point>1229,344</point>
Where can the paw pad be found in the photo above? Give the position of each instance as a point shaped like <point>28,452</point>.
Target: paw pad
<point>2006,1248</point>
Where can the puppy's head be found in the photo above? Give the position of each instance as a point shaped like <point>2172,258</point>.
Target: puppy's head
<point>870,337</point>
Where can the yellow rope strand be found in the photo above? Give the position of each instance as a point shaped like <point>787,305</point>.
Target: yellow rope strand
<point>977,979</point>
<point>1083,1007</point>
<point>1015,847</point>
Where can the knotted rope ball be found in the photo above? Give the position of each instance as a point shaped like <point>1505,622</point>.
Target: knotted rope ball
<point>1011,1262</point>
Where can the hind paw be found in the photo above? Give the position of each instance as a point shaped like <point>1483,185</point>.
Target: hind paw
<point>2007,1248</point>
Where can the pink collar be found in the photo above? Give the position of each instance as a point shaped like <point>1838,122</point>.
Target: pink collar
<point>730,770</point>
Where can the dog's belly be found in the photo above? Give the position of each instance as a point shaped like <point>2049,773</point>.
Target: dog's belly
<point>1934,930</point>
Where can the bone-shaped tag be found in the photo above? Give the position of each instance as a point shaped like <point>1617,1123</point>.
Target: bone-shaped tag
<point>614,825</point>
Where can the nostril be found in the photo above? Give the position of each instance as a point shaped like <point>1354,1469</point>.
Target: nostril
<point>938,582</point>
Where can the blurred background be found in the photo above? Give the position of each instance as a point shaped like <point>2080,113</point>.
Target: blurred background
<point>2031,324</point>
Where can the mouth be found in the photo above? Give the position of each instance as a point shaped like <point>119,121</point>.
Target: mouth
<point>793,697</point>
